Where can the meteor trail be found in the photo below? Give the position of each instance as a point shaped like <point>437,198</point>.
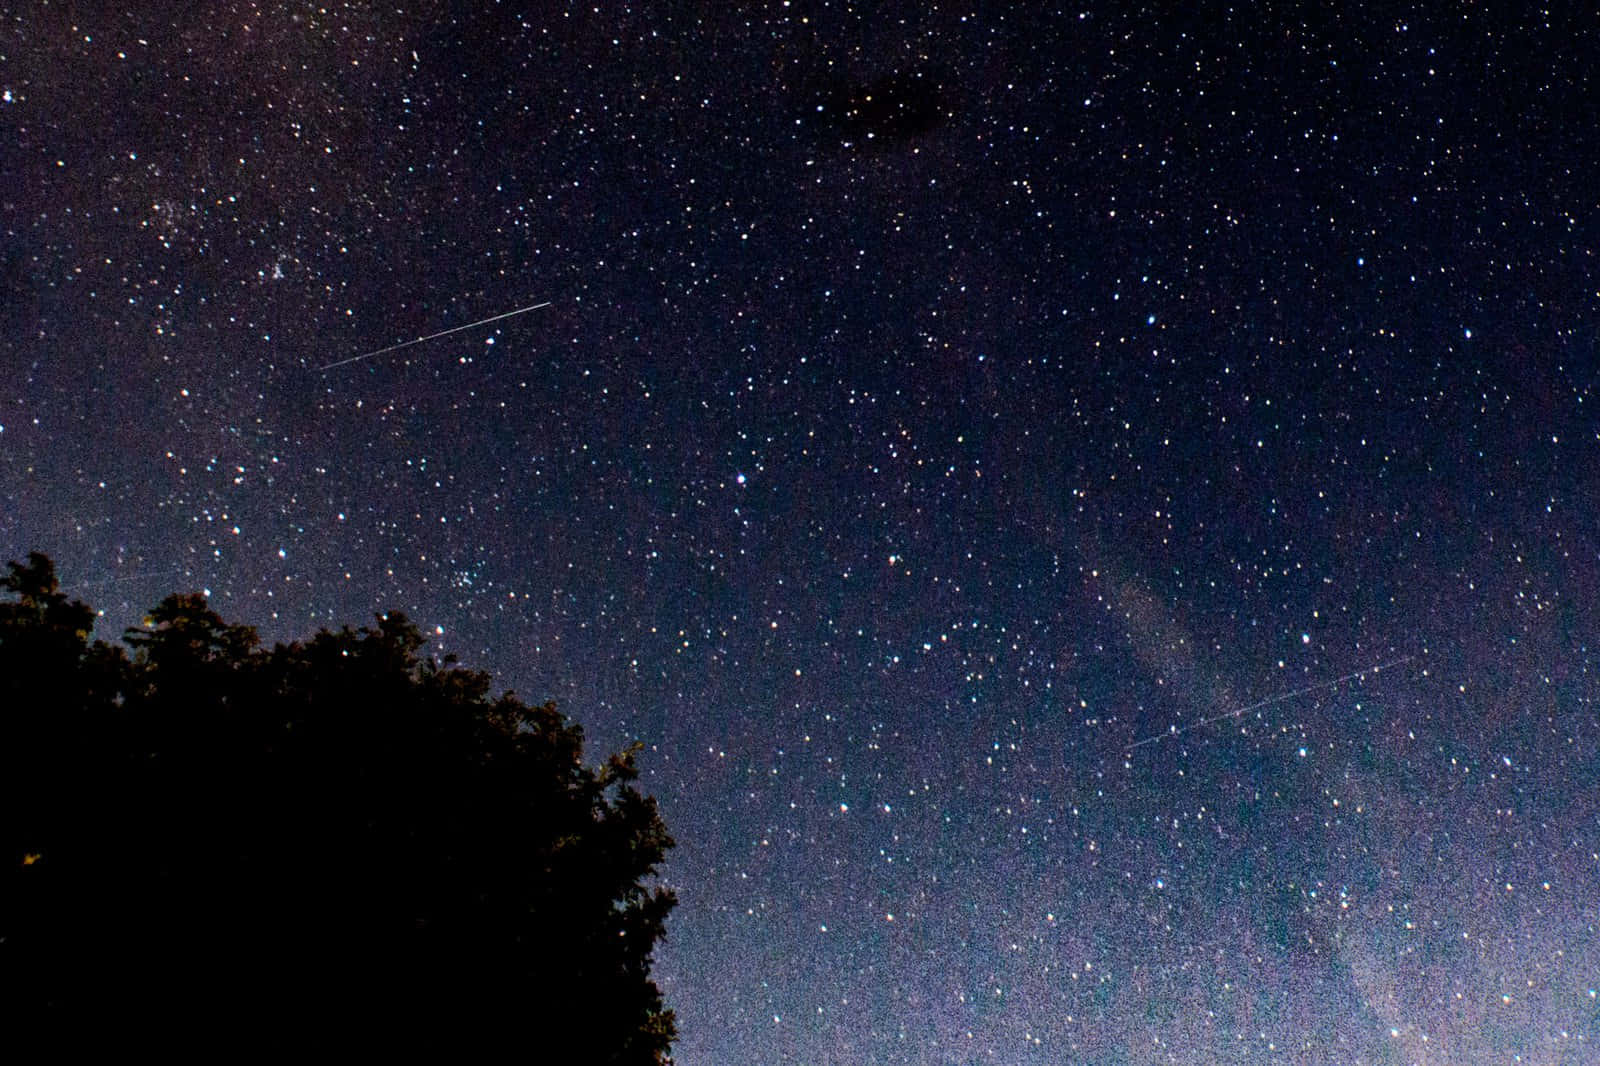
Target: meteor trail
<point>1174,731</point>
<point>433,336</point>
<point>147,575</point>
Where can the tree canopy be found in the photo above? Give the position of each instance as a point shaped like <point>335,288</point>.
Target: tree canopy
<point>336,840</point>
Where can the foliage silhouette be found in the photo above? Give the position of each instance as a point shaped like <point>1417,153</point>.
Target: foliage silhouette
<point>332,842</point>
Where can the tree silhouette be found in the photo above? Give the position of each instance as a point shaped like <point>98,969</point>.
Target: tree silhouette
<point>335,842</point>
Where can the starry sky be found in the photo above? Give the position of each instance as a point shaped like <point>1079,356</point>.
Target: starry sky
<point>1093,514</point>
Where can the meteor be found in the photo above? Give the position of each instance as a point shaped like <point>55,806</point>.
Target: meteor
<point>433,336</point>
<point>1174,731</point>
<point>145,576</point>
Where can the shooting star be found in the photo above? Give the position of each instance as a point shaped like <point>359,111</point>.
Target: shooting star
<point>433,336</point>
<point>147,575</point>
<point>1174,731</point>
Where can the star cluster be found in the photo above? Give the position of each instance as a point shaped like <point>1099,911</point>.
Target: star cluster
<point>981,456</point>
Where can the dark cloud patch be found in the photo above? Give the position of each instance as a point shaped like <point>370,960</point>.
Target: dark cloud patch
<point>883,113</point>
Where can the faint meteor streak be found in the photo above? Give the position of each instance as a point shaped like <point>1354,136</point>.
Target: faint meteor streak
<point>147,575</point>
<point>1174,731</point>
<point>434,336</point>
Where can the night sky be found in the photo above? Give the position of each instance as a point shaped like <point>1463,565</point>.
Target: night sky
<point>932,405</point>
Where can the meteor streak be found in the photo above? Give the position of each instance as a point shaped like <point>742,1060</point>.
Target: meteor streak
<point>146,575</point>
<point>433,336</point>
<point>1174,731</point>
